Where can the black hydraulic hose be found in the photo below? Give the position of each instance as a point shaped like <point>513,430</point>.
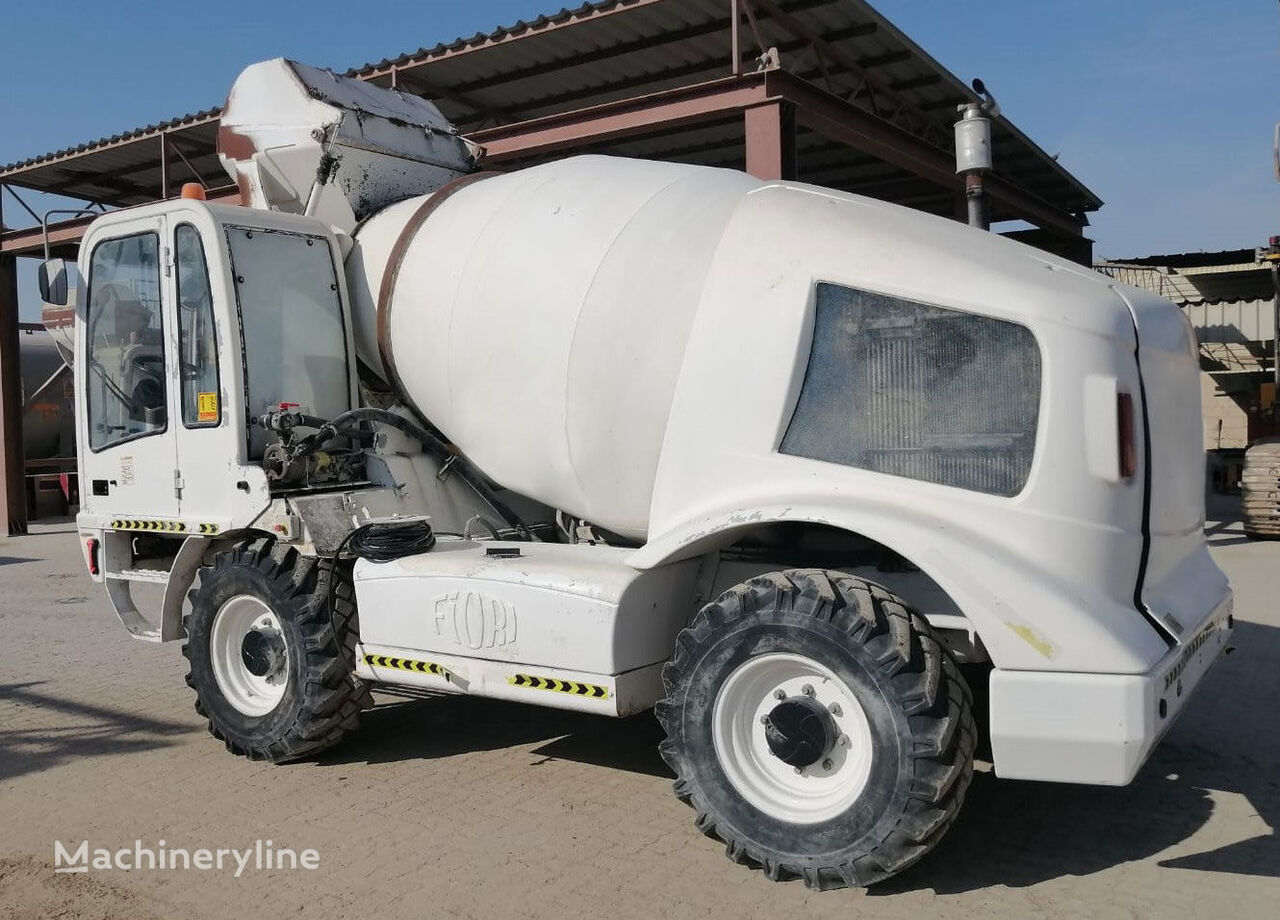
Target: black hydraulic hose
<point>380,541</point>
<point>308,421</point>
<point>434,445</point>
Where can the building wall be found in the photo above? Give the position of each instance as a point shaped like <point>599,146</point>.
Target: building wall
<point>1226,422</point>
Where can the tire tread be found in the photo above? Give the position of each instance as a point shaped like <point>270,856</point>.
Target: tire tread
<point>928,683</point>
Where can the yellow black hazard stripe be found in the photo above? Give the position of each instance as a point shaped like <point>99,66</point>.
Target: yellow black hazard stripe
<point>407,664</point>
<point>160,526</point>
<point>150,524</point>
<point>573,687</point>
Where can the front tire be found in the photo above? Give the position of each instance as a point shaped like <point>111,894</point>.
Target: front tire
<point>271,678</point>
<point>818,728</point>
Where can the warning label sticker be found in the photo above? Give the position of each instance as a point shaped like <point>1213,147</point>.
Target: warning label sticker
<point>206,407</point>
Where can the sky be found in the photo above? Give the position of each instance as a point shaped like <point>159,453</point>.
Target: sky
<point>1165,108</point>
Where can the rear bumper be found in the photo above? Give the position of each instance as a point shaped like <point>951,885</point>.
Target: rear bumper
<point>1097,728</point>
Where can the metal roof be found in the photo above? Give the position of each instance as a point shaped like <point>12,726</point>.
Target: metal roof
<point>1185,281</point>
<point>618,49</point>
<point>125,168</point>
<point>1194,259</point>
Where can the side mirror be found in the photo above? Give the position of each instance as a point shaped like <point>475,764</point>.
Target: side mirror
<point>60,286</point>
<point>52,278</point>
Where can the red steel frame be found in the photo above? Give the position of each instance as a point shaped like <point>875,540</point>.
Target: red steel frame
<point>771,103</point>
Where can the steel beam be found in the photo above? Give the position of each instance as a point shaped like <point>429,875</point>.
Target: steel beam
<point>611,120</point>
<point>770,131</point>
<point>419,85</point>
<point>13,489</point>
<point>18,198</point>
<point>839,120</point>
<point>859,68</point>
<point>30,241</point>
<point>176,148</point>
<point>707,69</point>
<point>820,111</point>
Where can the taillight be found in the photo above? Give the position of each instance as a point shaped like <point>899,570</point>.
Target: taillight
<point>1128,446</point>
<point>91,553</point>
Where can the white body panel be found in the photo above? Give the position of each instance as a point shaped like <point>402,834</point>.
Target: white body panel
<point>1096,728</point>
<point>621,695</point>
<point>571,607</point>
<point>523,324</point>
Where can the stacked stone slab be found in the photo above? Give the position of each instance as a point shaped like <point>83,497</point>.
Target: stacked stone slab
<point>1260,487</point>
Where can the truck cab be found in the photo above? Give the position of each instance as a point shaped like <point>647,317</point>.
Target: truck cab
<point>198,318</point>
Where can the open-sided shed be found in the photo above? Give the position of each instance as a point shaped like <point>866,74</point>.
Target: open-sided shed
<point>824,91</point>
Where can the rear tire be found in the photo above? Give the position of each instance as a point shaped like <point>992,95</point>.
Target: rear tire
<point>890,728</point>
<point>262,607</point>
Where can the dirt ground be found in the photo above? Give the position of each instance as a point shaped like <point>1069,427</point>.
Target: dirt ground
<point>467,808</point>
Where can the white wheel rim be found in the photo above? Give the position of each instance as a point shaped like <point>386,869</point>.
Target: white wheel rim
<point>246,691</point>
<point>818,792</point>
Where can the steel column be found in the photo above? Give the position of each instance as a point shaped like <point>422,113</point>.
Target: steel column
<point>771,140</point>
<point>164,165</point>
<point>735,18</point>
<point>13,489</point>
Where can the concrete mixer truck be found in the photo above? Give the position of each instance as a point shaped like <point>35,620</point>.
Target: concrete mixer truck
<point>803,472</point>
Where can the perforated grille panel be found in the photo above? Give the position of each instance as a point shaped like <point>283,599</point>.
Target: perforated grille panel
<point>919,391</point>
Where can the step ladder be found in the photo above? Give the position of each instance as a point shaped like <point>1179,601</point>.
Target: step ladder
<point>120,575</point>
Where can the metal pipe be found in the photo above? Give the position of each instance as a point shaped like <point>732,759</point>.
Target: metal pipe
<point>976,198</point>
<point>973,159</point>
<point>735,16</point>
<point>1275,327</point>
<point>44,222</point>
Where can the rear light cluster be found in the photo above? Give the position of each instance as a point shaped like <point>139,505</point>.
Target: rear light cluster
<point>1128,444</point>
<point>91,554</point>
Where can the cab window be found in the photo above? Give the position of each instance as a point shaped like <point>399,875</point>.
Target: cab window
<point>124,351</point>
<point>291,324</point>
<point>197,343</point>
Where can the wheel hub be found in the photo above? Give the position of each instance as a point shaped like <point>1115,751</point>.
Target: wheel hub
<point>800,731</point>
<point>792,737</point>
<point>249,654</point>
<point>263,652</point>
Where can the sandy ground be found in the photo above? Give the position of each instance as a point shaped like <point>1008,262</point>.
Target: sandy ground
<point>465,808</point>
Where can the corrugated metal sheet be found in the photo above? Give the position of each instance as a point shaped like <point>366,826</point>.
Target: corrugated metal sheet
<point>1233,322</point>
<point>617,49</point>
<point>1181,259</point>
<point>124,169</point>
<point>1190,284</point>
<point>192,119</point>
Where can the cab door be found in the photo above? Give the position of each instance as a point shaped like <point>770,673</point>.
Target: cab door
<point>126,445</point>
<point>213,486</point>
